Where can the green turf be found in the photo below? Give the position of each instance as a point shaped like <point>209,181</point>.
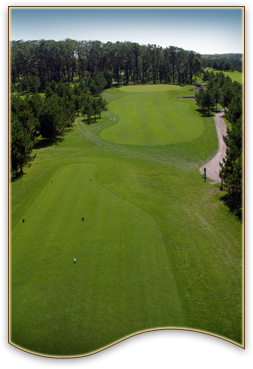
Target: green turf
<point>149,88</point>
<point>156,248</point>
<point>152,118</point>
<point>235,76</point>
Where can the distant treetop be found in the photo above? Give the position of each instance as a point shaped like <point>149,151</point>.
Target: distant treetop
<point>230,56</point>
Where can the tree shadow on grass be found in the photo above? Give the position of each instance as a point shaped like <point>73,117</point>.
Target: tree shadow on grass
<point>68,129</point>
<point>17,176</point>
<point>45,142</point>
<point>92,121</point>
<point>205,114</point>
<point>234,206</point>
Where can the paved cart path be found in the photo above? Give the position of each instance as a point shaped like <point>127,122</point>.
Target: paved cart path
<point>213,167</point>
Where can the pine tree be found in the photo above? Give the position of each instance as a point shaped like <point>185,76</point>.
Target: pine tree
<point>232,164</point>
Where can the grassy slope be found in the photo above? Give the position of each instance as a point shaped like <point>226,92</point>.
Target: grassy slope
<point>156,248</point>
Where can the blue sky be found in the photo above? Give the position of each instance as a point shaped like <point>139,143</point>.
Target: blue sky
<point>208,30</point>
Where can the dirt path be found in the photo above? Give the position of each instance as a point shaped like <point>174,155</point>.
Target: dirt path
<point>213,167</point>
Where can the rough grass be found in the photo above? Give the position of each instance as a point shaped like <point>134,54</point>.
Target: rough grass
<point>156,248</point>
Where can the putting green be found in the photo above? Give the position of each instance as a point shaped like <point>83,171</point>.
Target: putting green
<point>152,119</point>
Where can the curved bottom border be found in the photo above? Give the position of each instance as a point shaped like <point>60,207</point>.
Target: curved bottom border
<point>123,339</point>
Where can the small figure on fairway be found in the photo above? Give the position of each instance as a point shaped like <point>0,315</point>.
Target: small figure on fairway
<point>82,218</point>
<point>74,260</point>
<point>51,180</point>
<point>90,179</point>
<point>23,221</point>
<point>204,175</point>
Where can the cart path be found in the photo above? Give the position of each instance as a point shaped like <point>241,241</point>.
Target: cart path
<point>213,167</point>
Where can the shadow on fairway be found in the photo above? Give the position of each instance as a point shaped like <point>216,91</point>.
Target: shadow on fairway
<point>233,205</point>
<point>17,176</point>
<point>205,114</point>
<point>92,121</point>
<point>46,142</point>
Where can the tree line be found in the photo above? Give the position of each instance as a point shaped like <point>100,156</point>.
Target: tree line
<point>47,117</point>
<point>223,62</point>
<point>40,62</point>
<point>221,90</point>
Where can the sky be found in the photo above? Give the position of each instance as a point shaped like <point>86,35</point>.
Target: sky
<point>204,30</point>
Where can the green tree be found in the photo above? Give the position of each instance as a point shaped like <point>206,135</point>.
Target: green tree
<point>21,147</point>
<point>204,99</point>
<point>216,94</point>
<point>208,102</point>
<point>102,105</point>
<point>100,81</point>
<point>34,84</point>
<point>197,66</point>
<point>227,93</point>
<point>199,98</point>
<point>232,164</point>
<point>52,118</point>
<point>88,107</point>
<point>234,110</point>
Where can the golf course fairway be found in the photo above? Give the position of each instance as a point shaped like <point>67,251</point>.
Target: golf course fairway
<point>155,246</point>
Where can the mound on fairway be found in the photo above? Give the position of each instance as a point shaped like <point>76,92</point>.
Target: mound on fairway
<point>151,118</point>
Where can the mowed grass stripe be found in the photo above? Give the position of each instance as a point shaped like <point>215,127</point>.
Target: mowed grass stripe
<point>120,253</point>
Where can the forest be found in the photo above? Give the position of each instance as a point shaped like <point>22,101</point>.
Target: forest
<point>121,62</point>
<point>222,61</point>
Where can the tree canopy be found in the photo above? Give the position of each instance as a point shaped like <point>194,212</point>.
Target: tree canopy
<point>228,94</point>
<point>48,116</point>
<point>121,62</point>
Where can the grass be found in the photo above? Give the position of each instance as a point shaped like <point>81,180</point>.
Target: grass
<point>157,248</point>
<point>151,88</point>
<point>235,76</point>
<point>148,118</point>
